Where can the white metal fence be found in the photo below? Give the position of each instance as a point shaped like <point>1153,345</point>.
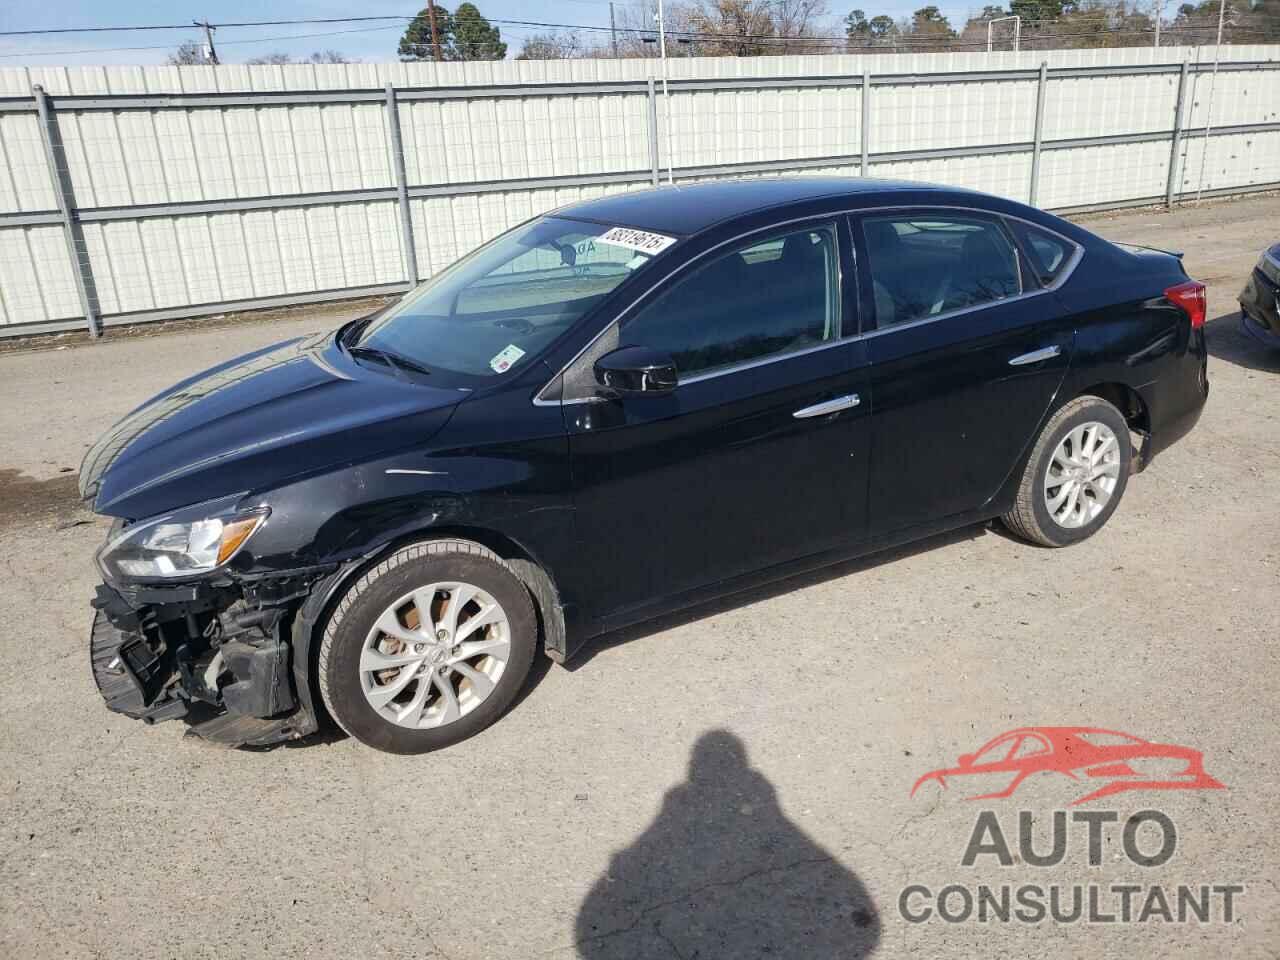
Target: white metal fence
<point>137,193</point>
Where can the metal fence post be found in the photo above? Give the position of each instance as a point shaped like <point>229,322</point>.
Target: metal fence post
<point>1042,83</point>
<point>653,132</point>
<point>402,187</point>
<point>866,124</point>
<point>1172,183</point>
<point>55,155</point>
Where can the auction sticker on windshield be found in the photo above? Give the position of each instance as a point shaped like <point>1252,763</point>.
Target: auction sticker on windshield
<point>642,240</point>
<point>507,356</point>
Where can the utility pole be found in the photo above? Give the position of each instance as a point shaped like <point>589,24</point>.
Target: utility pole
<point>666,94</point>
<point>1213,82</point>
<point>435,32</point>
<point>210,54</point>
<point>1159,14</point>
<point>613,31</point>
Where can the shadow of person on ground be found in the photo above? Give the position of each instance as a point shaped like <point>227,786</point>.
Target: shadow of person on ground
<point>722,872</point>
<point>1227,340</point>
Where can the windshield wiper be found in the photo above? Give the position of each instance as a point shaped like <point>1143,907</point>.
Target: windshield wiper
<point>393,360</point>
<point>350,331</point>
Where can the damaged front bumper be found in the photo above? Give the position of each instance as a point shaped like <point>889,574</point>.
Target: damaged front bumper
<point>218,655</point>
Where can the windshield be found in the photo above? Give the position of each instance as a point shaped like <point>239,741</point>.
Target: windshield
<point>495,310</point>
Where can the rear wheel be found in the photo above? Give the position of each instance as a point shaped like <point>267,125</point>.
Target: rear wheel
<point>428,647</point>
<point>1075,476</point>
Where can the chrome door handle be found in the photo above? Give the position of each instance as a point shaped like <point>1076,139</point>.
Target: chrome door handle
<point>1035,356</point>
<point>847,402</point>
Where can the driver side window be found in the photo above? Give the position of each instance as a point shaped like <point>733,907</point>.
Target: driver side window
<point>770,297</point>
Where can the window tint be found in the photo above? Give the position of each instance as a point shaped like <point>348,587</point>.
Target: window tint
<point>772,297</point>
<point>1049,254</point>
<point>924,265</point>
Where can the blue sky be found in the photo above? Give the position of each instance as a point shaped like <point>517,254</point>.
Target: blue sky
<point>369,42</point>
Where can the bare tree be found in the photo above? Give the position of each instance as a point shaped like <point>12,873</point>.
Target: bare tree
<point>187,54</point>
<point>556,45</point>
<point>751,28</point>
<point>320,56</point>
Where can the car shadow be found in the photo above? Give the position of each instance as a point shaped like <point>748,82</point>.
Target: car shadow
<point>1227,340</point>
<point>722,872</point>
<point>759,594</point>
<point>330,733</point>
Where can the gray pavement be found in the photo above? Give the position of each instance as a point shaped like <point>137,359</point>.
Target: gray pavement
<point>732,782</point>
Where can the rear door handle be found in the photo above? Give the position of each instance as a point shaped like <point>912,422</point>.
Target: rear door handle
<point>1035,356</point>
<point>847,402</point>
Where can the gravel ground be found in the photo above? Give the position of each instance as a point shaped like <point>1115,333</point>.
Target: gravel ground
<point>732,782</point>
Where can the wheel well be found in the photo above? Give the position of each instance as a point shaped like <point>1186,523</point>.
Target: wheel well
<point>1125,399</point>
<point>535,576</point>
<point>1134,410</point>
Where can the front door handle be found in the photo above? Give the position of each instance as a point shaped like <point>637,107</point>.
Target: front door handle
<point>1035,356</point>
<point>847,402</point>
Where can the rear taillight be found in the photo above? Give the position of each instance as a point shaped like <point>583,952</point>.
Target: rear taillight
<point>1190,297</point>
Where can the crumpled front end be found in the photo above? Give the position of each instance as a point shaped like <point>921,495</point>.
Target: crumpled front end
<point>218,655</point>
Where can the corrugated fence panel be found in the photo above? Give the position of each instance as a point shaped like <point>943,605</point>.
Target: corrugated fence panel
<point>1103,174</point>
<point>1102,106</point>
<point>923,116</point>
<point>25,183</point>
<point>296,245</point>
<point>1230,161</point>
<point>1004,174</point>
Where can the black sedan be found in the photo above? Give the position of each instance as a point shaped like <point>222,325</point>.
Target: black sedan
<point>608,412</point>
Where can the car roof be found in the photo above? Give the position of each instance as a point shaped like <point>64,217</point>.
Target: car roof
<point>1059,732</point>
<point>683,210</point>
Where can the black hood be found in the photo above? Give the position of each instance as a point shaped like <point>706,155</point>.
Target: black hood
<point>293,409</point>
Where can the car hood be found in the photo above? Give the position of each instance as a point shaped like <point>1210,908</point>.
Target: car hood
<point>299,407</point>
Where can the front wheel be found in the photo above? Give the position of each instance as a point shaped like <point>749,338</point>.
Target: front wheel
<point>428,647</point>
<point>1075,476</point>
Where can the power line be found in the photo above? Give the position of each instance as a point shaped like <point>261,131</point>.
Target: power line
<point>187,26</point>
<point>848,42</point>
<point>169,46</point>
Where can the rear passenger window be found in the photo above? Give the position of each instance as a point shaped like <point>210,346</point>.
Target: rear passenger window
<point>766,298</point>
<point>923,266</point>
<point>1049,254</point>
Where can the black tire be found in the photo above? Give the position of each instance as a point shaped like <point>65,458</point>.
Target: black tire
<point>380,586</point>
<point>1030,517</point>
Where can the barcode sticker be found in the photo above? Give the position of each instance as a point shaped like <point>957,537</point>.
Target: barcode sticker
<point>641,240</point>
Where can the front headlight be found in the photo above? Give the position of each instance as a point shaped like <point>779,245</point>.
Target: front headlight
<point>172,547</point>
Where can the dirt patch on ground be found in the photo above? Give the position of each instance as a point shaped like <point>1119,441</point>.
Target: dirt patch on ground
<point>80,338</point>
<point>25,499</point>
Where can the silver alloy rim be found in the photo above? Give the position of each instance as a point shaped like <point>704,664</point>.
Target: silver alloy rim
<point>1082,475</point>
<point>435,655</point>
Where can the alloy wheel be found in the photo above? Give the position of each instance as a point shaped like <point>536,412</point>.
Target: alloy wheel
<point>1082,475</point>
<point>435,655</point>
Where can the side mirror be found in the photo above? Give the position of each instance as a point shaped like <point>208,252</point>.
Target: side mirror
<point>637,370</point>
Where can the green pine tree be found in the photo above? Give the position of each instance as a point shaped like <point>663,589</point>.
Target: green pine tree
<point>416,42</point>
<point>474,38</point>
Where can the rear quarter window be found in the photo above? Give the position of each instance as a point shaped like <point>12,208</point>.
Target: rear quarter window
<point>1048,255</point>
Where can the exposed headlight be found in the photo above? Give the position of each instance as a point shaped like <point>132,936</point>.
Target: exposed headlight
<point>172,547</point>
